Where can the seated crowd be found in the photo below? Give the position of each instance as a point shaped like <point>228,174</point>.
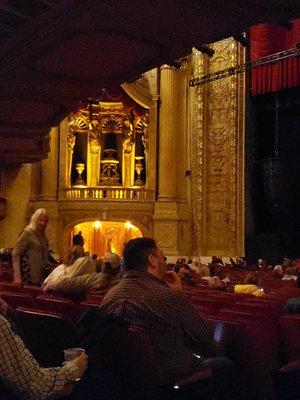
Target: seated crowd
<point>194,319</point>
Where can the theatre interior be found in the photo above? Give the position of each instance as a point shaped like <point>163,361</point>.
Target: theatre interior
<point>175,120</point>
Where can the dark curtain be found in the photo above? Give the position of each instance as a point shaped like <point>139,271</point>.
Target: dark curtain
<point>267,39</point>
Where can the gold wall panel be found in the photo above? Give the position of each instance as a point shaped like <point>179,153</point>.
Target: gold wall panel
<point>217,159</point>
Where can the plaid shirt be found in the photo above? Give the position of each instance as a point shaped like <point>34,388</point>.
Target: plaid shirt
<point>178,331</point>
<point>20,372</point>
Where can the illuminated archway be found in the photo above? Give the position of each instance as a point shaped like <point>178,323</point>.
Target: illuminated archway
<point>101,237</point>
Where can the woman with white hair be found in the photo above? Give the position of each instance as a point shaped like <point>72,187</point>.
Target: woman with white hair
<point>30,254</point>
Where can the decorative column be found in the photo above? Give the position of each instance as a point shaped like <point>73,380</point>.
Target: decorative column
<point>151,162</point>
<point>165,210</point>
<point>94,151</point>
<point>128,152</point>
<point>65,159</point>
<point>168,126</point>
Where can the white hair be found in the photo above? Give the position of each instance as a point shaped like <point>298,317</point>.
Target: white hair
<point>34,217</point>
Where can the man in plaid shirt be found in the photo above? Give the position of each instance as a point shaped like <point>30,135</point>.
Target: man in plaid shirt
<point>21,373</point>
<point>150,297</point>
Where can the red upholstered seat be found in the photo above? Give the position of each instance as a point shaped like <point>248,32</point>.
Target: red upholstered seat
<point>253,308</point>
<point>212,304</point>
<point>248,346</point>
<point>244,317</point>
<point>289,337</point>
<point>46,334</point>
<point>6,275</point>
<point>15,300</point>
<point>62,306</point>
<point>11,287</point>
<point>33,291</point>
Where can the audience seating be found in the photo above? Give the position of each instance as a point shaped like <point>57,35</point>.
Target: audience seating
<point>289,337</point>
<point>46,334</point>
<point>255,308</point>
<point>33,291</point>
<point>212,304</point>
<point>11,287</point>
<point>6,275</point>
<point>15,300</point>
<point>62,306</point>
<point>247,345</point>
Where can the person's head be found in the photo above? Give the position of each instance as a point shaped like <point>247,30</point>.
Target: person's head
<point>78,239</point>
<point>39,220</point>
<point>111,264</point>
<point>251,279</point>
<point>94,257</point>
<point>181,272</point>
<point>72,254</point>
<point>142,254</point>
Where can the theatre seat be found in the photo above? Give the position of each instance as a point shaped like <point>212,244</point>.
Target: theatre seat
<point>62,306</point>
<point>11,287</point>
<point>212,304</point>
<point>246,345</point>
<point>46,334</point>
<point>33,291</point>
<point>15,300</point>
<point>289,337</point>
<point>6,275</point>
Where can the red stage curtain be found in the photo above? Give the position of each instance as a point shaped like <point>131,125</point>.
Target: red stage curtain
<point>266,39</point>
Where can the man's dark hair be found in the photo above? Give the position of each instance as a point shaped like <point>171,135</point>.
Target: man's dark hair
<point>136,253</point>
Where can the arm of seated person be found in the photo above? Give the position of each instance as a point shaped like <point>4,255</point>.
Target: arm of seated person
<point>22,374</point>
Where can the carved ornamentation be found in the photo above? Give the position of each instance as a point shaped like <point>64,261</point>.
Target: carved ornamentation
<point>217,127</point>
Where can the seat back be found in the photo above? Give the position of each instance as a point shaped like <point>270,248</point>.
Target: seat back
<point>6,275</point>
<point>15,300</point>
<point>62,306</point>
<point>289,337</point>
<point>120,358</point>
<point>238,342</point>
<point>11,287</point>
<point>33,291</point>
<point>46,334</point>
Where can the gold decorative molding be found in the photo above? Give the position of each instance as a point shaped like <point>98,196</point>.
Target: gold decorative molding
<point>217,154</point>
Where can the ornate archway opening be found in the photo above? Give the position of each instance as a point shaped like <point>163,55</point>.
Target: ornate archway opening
<point>101,237</point>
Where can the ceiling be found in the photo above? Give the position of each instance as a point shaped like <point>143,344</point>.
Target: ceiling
<point>54,54</point>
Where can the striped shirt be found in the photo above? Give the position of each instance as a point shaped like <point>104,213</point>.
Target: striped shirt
<point>178,331</point>
<point>20,372</point>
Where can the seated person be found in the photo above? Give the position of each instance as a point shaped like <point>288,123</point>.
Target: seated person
<point>240,262</point>
<point>250,286</point>
<point>278,271</point>
<point>185,275</point>
<point>150,297</point>
<point>292,306</point>
<point>75,263</point>
<point>290,273</point>
<point>22,375</point>
<point>214,282</point>
<point>111,272</point>
<point>80,277</point>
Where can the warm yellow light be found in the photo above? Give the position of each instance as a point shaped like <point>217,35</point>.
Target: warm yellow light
<point>97,225</point>
<point>128,224</point>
